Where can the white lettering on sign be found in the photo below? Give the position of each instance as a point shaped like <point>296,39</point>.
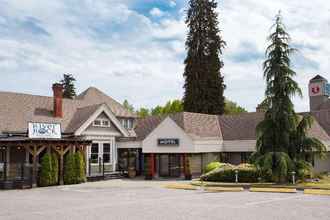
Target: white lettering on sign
<point>168,141</point>
<point>44,130</point>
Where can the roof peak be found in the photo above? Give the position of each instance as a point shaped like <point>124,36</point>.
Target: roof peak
<point>318,78</point>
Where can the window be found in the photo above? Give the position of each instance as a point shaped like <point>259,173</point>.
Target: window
<point>95,153</point>
<point>106,153</point>
<point>127,123</point>
<point>101,123</point>
<point>97,123</point>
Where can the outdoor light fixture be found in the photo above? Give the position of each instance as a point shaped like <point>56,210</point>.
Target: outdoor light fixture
<point>293,177</point>
<point>236,176</point>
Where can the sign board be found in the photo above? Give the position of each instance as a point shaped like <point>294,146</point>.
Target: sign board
<point>44,130</point>
<point>168,142</point>
<point>327,89</point>
<point>316,89</point>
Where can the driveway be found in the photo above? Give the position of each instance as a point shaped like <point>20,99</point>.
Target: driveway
<point>126,199</point>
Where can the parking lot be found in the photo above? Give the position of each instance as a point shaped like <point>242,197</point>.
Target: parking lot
<point>126,199</point>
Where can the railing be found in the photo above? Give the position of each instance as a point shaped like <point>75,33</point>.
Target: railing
<point>99,169</point>
<point>16,174</point>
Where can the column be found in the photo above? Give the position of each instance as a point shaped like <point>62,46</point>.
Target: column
<point>152,164</point>
<point>7,161</point>
<point>34,167</point>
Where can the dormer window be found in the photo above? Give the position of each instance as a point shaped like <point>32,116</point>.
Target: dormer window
<point>127,123</point>
<point>101,123</point>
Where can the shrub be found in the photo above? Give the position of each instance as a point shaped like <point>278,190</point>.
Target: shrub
<point>226,173</point>
<point>80,168</point>
<point>70,169</point>
<point>211,166</point>
<point>304,169</point>
<point>55,168</point>
<point>46,171</point>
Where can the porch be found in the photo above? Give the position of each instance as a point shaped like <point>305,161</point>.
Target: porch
<point>20,159</point>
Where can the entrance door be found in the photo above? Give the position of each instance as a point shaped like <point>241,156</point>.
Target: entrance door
<point>169,165</point>
<point>175,165</point>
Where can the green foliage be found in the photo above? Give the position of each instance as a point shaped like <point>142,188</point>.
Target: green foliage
<point>80,167</point>
<point>213,165</point>
<point>70,169</point>
<point>68,85</point>
<point>55,169</point>
<point>143,112</point>
<point>232,108</point>
<point>204,85</point>
<point>226,173</point>
<point>48,170</point>
<point>304,169</point>
<point>282,135</point>
<point>128,106</point>
<point>74,168</point>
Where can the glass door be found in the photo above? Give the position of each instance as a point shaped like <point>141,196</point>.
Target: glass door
<point>175,165</point>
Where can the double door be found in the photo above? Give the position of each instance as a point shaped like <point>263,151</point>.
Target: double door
<point>170,165</point>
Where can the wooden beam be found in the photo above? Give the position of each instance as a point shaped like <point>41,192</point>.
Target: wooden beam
<point>35,167</point>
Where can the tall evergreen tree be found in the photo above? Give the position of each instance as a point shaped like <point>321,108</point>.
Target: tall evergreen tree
<point>68,85</point>
<point>281,137</point>
<point>204,85</point>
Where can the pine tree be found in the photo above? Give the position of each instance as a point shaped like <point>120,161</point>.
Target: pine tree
<point>204,85</point>
<point>282,135</point>
<point>68,85</point>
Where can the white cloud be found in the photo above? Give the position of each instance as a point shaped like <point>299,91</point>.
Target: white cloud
<point>109,45</point>
<point>172,3</point>
<point>156,12</point>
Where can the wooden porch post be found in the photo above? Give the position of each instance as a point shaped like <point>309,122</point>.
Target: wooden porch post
<point>7,168</point>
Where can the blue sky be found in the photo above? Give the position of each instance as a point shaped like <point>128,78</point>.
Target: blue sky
<point>134,49</point>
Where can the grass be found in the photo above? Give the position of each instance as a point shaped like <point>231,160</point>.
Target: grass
<point>180,186</point>
<point>317,192</point>
<point>274,190</point>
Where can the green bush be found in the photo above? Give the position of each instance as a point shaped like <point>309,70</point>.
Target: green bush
<point>304,169</point>
<point>55,168</point>
<point>80,168</point>
<point>70,169</point>
<point>226,173</point>
<point>74,168</point>
<point>211,166</point>
<point>48,170</point>
<point>45,178</point>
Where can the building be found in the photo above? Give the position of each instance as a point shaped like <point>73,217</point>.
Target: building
<point>115,140</point>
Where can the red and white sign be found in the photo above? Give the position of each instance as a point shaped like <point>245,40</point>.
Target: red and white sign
<point>316,89</point>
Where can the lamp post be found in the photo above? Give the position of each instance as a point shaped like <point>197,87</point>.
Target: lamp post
<point>236,176</point>
<point>293,177</point>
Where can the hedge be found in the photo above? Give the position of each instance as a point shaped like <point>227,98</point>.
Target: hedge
<point>212,166</point>
<point>226,173</point>
<point>48,170</point>
<point>74,168</point>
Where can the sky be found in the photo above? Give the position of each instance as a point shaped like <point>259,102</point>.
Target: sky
<point>134,49</point>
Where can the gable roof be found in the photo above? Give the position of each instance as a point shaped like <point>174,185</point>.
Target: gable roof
<point>94,96</point>
<point>317,78</point>
<point>17,110</point>
<point>323,118</point>
<point>194,124</point>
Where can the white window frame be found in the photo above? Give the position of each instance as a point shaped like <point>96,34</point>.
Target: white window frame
<point>101,123</point>
<point>100,151</point>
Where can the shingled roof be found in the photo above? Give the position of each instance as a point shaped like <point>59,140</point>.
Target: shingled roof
<point>17,110</point>
<point>227,127</point>
<point>194,124</point>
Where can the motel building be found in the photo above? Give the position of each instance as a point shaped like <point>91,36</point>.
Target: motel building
<point>115,141</point>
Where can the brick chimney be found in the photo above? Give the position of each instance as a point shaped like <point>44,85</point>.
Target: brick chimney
<point>58,100</point>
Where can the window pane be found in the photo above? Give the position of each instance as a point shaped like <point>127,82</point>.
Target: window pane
<point>95,148</point>
<point>94,158</point>
<point>106,148</point>
<point>97,122</point>
<point>106,158</point>
<point>105,123</point>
